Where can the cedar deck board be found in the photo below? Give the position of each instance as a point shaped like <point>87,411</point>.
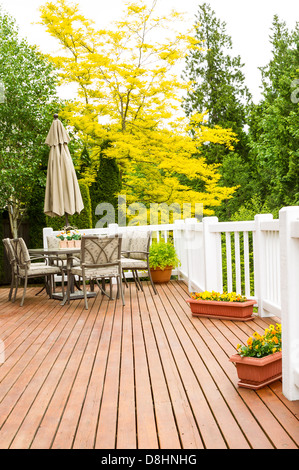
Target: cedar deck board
<point>148,375</point>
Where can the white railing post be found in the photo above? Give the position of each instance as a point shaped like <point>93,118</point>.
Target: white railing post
<point>189,238</point>
<point>260,267</point>
<point>178,240</point>
<point>47,232</point>
<point>211,255</point>
<point>289,263</point>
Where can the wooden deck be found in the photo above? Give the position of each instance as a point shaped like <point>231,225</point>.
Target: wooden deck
<point>146,376</point>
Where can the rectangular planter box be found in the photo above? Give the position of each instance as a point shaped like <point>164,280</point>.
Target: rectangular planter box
<point>255,372</point>
<point>242,311</point>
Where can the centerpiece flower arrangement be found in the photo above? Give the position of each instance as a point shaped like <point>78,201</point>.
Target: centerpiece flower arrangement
<point>225,305</point>
<point>259,362</point>
<point>69,238</point>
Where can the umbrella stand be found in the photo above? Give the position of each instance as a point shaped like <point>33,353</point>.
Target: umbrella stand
<point>66,220</point>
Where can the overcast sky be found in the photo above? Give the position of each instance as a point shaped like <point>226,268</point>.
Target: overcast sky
<point>248,23</point>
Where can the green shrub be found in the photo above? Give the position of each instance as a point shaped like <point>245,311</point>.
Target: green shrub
<point>162,254</point>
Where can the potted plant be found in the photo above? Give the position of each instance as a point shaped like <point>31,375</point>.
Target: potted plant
<point>228,306</point>
<point>259,362</point>
<point>69,238</point>
<point>77,239</point>
<point>62,240</point>
<point>162,259</point>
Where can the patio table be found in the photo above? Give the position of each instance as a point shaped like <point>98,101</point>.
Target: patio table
<point>69,252</point>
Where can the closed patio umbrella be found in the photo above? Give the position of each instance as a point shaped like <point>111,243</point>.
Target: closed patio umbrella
<point>63,196</point>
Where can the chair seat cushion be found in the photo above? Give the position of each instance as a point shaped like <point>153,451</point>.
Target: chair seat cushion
<point>44,270</point>
<point>95,273</point>
<point>63,263</point>
<point>32,266</point>
<point>132,263</point>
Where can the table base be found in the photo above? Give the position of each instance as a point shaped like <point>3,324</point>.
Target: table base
<point>73,296</point>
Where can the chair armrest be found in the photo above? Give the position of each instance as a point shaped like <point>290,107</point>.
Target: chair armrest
<point>33,258</point>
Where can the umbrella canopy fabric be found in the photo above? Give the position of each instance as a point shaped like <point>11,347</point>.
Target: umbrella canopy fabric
<point>62,196</point>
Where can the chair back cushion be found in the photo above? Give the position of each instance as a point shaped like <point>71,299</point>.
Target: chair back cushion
<point>21,252</point>
<point>139,244</point>
<point>9,250</point>
<point>99,250</point>
<point>53,244</point>
<point>125,244</point>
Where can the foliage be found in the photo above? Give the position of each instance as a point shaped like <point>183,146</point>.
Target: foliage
<point>26,109</point>
<point>162,254</point>
<point>274,122</point>
<point>217,296</point>
<point>106,186</point>
<point>218,88</point>
<point>129,98</point>
<point>262,345</point>
<point>35,216</point>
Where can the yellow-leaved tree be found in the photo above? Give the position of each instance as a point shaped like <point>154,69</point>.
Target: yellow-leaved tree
<point>128,103</point>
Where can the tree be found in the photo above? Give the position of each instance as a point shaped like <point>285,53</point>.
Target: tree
<point>274,122</point>
<point>218,88</point>
<point>127,96</point>
<point>26,111</point>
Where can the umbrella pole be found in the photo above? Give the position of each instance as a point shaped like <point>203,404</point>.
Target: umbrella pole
<point>66,220</point>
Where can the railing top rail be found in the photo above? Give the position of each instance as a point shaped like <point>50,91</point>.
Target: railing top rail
<point>270,225</point>
<point>242,226</point>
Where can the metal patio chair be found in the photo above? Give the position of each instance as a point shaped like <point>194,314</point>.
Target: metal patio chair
<point>99,260</point>
<point>135,256</point>
<point>25,269</point>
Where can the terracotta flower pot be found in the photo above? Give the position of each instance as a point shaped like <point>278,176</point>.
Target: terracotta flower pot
<point>242,311</point>
<point>70,244</point>
<point>255,372</point>
<point>161,275</point>
<point>63,244</point>
<point>77,243</point>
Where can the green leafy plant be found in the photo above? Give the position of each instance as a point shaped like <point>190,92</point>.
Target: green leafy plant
<point>262,345</point>
<point>76,236</point>
<point>162,254</point>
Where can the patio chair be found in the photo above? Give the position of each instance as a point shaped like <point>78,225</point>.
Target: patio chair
<point>136,256</point>
<point>61,260</point>
<point>12,261</point>
<point>9,250</point>
<point>26,269</point>
<point>99,260</point>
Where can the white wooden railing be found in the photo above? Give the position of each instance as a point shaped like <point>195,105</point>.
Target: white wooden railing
<point>259,259</point>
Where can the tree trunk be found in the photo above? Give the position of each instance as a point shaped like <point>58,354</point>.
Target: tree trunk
<point>14,216</point>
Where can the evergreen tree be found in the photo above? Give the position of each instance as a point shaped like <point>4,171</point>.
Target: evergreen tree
<point>219,90</point>
<point>274,122</point>
<point>106,186</point>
